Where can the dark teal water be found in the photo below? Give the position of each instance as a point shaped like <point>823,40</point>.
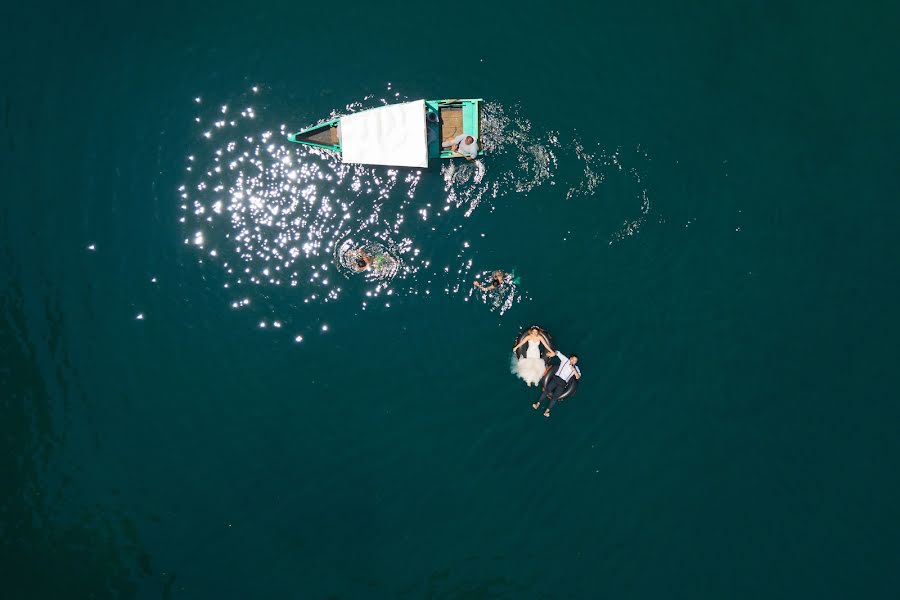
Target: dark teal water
<point>701,201</point>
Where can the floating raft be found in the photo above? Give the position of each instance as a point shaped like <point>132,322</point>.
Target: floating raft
<point>399,135</point>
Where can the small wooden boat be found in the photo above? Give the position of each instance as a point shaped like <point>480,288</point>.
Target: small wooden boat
<point>403,135</point>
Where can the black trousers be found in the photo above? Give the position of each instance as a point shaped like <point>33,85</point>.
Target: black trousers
<point>555,387</point>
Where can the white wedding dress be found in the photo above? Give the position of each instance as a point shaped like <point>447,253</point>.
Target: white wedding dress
<point>531,366</point>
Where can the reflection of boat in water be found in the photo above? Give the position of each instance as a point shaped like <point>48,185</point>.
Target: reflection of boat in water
<point>402,135</point>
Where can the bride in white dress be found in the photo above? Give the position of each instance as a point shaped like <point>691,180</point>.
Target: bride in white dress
<point>529,365</point>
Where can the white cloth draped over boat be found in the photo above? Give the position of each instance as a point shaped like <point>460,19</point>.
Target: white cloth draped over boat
<point>389,135</point>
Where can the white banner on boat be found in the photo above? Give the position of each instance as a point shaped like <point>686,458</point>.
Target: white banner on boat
<point>393,135</point>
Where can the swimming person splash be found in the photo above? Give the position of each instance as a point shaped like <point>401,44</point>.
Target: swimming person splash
<point>363,261</point>
<point>498,278</point>
<point>499,291</point>
<point>371,260</point>
<point>559,381</point>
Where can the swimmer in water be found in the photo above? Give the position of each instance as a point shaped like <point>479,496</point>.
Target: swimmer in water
<point>498,278</point>
<point>362,262</point>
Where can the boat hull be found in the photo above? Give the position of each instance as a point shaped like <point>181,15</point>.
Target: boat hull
<point>445,120</point>
<point>325,135</point>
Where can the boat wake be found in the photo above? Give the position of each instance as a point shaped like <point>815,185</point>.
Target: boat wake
<point>523,158</point>
<point>385,259</point>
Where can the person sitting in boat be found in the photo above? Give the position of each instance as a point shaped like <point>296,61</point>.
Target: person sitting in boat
<point>498,278</point>
<point>464,144</point>
<point>560,380</point>
<point>362,261</point>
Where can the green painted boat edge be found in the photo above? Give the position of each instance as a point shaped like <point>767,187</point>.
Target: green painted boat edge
<point>471,108</point>
<point>292,137</point>
<point>434,144</point>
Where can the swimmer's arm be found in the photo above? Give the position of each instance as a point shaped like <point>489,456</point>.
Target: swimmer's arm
<point>546,344</point>
<point>550,352</point>
<point>577,373</point>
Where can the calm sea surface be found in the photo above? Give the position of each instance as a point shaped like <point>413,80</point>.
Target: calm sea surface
<point>199,401</point>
